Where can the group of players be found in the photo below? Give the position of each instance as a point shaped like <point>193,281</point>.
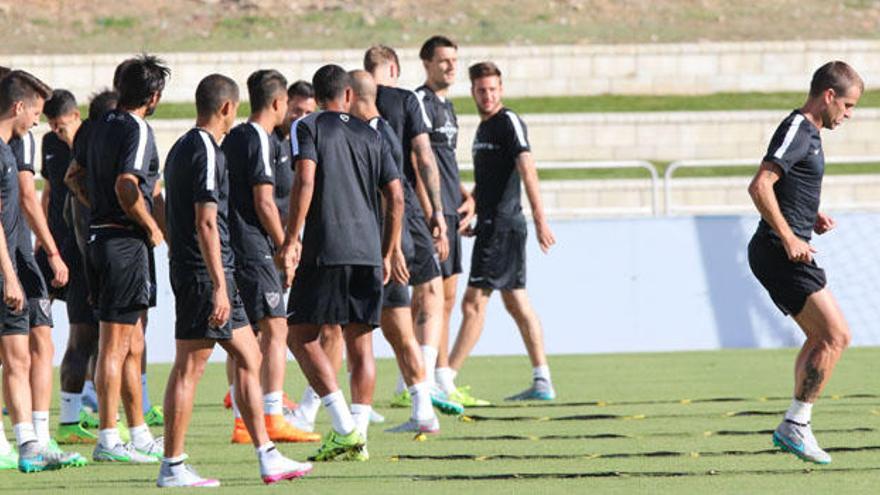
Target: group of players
<point>345,190</point>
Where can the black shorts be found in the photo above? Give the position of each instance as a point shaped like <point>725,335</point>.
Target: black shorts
<point>395,295</point>
<point>79,309</point>
<point>122,274</point>
<point>789,283</point>
<point>261,292</point>
<point>452,265</point>
<point>498,260</point>
<point>12,323</point>
<point>194,303</point>
<point>336,295</point>
<point>34,287</point>
<point>425,264</point>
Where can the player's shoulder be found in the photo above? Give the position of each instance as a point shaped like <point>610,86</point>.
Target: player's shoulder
<point>797,121</point>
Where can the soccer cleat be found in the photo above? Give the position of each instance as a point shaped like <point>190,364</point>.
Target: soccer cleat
<point>74,433</point>
<point>376,418</point>
<point>280,430</point>
<point>155,448</point>
<point>287,403</point>
<point>401,399</point>
<point>275,468</point>
<point>9,460</point>
<point>155,417</point>
<point>336,445</point>
<point>360,454</point>
<point>540,390</point>
<point>121,453</point>
<point>798,439</point>
<point>90,401</point>
<point>182,476</point>
<point>68,459</point>
<point>32,458</point>
<point>240,433</point>
<point>227,400</point>
<point>298,421</point>
<point>412,425</point>
<point>444,405</point>
<point>124,434</point>
<point>463,396</point>
<point>88,420</point>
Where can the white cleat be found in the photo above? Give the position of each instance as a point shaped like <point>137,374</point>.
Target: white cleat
<point>430,426</point>
<point>298,421</point>
<point>182,475</point>
<point>274,467</point>
<point>798,439</point>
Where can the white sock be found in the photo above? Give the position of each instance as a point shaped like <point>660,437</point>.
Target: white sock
<point>272,403</point>
<point>429,354</point>
<point>542,372</point>
<point>422,409</point>
<point>141,436</point>
<point>309,404</point>
<point>109,438</point>
<point>70,406</point>
<point>360,413</point>
<point>89,390</point>
<point>401,385</point>
<point>445,378</point>
<point>41,426</point>
<point>799,412</point>
<point>145,395</point>
<point>340,416</point>
<point>5,448</point>
<point>24,433</point>
<point>174,460</point>
<point>235,412</point>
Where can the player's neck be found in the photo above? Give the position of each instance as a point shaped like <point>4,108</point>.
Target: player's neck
<point>139,111</point>
<point>214,127</point>
<point>334,106</point>
<point>263,119</point>
<point>6,130</point>
<point>484,116</point>
<point>812,112</point>
<point>441,92</point>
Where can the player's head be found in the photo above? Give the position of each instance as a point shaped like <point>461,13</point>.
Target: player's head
<point>486,86</point>
<point>300,101</point>
<point>439,55</point>
<point>102,102</point>
<point>363,88</point>
<point>140,82</point>
<point>333,88</point>
<point>217,100</point>
<point>381,61</point>
<point>267,90</point>
<point>836,87</point>
<point>63,115</point>
<point>22,96</point>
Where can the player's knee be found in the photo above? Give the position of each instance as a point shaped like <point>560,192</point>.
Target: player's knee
<point>17,364</point>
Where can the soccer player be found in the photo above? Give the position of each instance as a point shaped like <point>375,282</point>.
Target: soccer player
<point>208,307</point>
<point>503,159</point>
<point>300,102</point>
<point>786,191</point>
<point>256,231</point>
<point>21,102</point>
<point>125,225</point>
<point>342,260</point>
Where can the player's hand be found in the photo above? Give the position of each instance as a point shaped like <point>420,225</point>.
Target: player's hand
<point>386,270</point>
<point>290,256</point>
<point>466,212</point>
<point>546,239</point>
<point>437,223</point>
<point>222,307</point>
<point>399,271</point>
<point>156,236</point>
<point>824,223</point>
<point>59,269</point>
<point>13,296</point>
<point>468,231</point>
<point>799,250</point>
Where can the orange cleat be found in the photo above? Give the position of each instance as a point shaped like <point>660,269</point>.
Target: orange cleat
<point>240,433</point>
<point>227,400</point>
<point>289,404</point>
<point>280,430</point>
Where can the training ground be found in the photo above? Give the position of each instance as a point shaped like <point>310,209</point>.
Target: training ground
<point>696,422</point>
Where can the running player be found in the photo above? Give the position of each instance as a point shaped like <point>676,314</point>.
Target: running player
<point>786,191</point>
<point>256,231</point>
<point>208,307</point>
<point>503,158</point>
<point>340,266</point>
<point>125,225</point>
<point>21,102</point>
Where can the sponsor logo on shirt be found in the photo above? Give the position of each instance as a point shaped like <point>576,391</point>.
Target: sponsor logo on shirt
<point>480,146</point>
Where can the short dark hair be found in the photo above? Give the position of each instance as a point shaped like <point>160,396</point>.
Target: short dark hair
<point>19,85</point>
<point>837,75</point>
<point>212,92</point>
<point>4,71</point>
<point>263,85</point>
<point>102,102</point>
<point>483,69</point>
<point>378,55</point>
<point>330,82</point>
<point>434,42</point>
<point>138,78</point>
<point>301,89</point>
<point>60,104</point>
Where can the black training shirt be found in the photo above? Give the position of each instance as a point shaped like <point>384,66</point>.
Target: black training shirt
<point>283,167</point>
<point>498,143</point>
<point>24,150</point>
<point>56,160</point>
<point>444,139</point>
<point>9,194</point>
<point>393,154</point>
<point>405,113</point>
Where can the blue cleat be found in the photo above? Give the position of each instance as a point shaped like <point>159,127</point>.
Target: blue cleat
<point>540,390</point>
<point>798,439</point>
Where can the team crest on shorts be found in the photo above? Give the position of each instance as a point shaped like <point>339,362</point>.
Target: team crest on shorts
<point>45,306</point>
<point>273,298</point>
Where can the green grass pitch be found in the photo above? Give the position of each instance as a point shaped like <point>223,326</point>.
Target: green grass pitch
<point>652,423</point>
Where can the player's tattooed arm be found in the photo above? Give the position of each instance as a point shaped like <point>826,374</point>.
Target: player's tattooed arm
<point>132,202</point>
<point>300,200</point>
<point>208,235</point>
<point>764,197</point>
<point>525,164</point>
<point>75,180</point>
<point>13,296</point>
<point>393,195</point>
<point>428,172</point>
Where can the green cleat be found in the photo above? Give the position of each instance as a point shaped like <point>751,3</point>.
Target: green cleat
<point>74,433</point>
<point>359,455</point>
<point>88,420</point>
<point>336,446</point>
<point>9,461</point>
<point>463,396</point>
<point>33,458</point>
<point>155,417</point>
<point>68,459</point>
<point>446,406</point>
<point>401,399</point>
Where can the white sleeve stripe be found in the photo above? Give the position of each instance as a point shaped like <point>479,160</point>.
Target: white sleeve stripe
<point>27,149</point>
<point>294,142</point>
<point>789,136</point>
<point>264,148</point>
<point>210,161</point>
<point>142,143</point>
<point>517,127</point>
<point>419,96</point>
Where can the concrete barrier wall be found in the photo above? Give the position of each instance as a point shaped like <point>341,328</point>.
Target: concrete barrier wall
<point>686,68</point>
